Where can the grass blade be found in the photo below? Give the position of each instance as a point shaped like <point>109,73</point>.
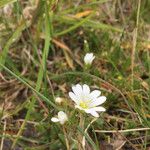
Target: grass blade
<point>15,36</point>
<point>29,86</point>
<point>41,75</point>
<point>5,2</point>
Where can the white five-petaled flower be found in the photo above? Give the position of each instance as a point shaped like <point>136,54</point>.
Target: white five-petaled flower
<point>88,58</point>
<point>86,100</point>
<point>62,117</point>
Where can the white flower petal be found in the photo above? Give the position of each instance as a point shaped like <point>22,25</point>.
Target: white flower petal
<point>95,114</point>
<point>86,89</point>
<point>88,58</point>
<point>53,119</point>
<point>61,114</point>
<point>74,97</point>
<point>62,117</point>
<point>99,108</point>
<point>102,99</point>
<point>62,121</point>
<point>77,89</point>
<point>92,112</point>
<point>95,93</point>
<point>98,101</point>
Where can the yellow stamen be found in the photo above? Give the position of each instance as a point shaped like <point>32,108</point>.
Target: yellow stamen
<point>84,104</point>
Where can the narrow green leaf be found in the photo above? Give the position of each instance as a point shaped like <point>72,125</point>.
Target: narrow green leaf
<point>5,2</point>
<point>78,24</point>
<point>88,138</point>
<point>41,74</point>
<point>13,38</point>
<point>29,86</point>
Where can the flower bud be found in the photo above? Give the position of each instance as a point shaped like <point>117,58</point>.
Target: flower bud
<point>88,58</point>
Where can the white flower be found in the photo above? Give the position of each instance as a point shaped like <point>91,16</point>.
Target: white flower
<point>86,100</point>
<point>59,100</point>
<point>62,117</point>
<point>88,58</point>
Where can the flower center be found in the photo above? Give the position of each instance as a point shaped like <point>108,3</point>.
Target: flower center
<point>84,104</point>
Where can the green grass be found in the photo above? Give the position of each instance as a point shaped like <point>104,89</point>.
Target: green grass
<point>42,46</point>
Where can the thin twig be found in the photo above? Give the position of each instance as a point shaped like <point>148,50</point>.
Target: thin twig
<point>66,139</point>
<point>135,33</point>
<point>122,131</point>
<point>85,131</point>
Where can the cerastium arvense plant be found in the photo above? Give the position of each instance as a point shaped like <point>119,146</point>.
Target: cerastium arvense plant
<point>84,100</point>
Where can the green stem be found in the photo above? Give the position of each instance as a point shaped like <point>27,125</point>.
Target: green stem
<point>80,136</point>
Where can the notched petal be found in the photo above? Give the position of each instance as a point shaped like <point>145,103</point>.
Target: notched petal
<point>73,97</point>
<point>86,89</point>
<point>95,93</point>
